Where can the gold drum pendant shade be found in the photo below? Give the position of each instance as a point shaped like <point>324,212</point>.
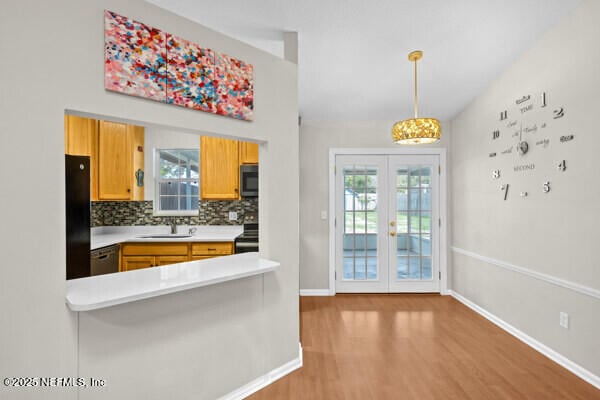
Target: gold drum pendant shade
<point>416,130</point>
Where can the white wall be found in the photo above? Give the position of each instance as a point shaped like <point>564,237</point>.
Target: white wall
<point>555,234</point>
<point>197,344</point>
<point>315,141</point>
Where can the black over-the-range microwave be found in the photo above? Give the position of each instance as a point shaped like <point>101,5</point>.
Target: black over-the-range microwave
<point>249,180</point>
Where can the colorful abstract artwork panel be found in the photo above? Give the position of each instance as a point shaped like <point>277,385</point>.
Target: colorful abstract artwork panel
<point>190,75</point>
<point>234,81</point>
<point>134,58</point>
<point>143,61</point>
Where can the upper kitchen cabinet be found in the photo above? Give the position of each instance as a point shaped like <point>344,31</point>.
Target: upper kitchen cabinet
<point>248,153</point>
<point>220,168</point>
<point>81,139</point>
<point>119,146</point>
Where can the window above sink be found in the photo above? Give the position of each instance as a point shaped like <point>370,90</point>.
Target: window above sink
<point>177,179</point>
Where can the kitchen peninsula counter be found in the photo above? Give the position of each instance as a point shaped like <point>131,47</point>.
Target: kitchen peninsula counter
<point>95,292</point>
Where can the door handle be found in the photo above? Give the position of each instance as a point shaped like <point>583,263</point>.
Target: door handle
<point>392,223</point>
<point>392,233</point>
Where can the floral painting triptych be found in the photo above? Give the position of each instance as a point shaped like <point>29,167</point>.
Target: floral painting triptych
<point>140,60</point>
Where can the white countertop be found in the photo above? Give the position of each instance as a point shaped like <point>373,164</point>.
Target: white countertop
<point>107,236</point>
<point>102,291</point>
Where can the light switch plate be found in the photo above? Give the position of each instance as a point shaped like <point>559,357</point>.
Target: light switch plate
<point>232,215</point>
<point>323,215</point>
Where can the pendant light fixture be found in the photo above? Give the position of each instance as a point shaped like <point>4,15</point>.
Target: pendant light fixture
<point>416,130</point>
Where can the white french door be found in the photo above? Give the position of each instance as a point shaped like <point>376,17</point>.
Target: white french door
<point>387,234</point>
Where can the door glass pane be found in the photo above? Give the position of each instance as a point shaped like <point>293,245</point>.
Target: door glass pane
<point>402,244</point>
<point>402,267</point>
<point>402,221</point>
<point>414,199</point>
<point>414,222</point>
<point>426,268</point>
<point>413,268</point>
<point>426,176</point>
<point>426,245</point>
<point>360,222</point>
<point>426,222</point>
<point>402,177</point>
<point>413,179</point>
<point>413,219</point>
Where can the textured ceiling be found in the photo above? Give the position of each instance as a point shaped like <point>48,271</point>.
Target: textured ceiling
<point>352,53</point>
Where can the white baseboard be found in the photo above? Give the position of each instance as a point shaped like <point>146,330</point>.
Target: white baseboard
<point>537,345</point>
<point>265,380</point>
<point>314,292</point>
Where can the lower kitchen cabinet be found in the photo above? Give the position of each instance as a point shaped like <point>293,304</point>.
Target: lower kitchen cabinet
<point>166,260</point>
<point>211,249</point>
<point>146,255</point>
<point>129,263</point>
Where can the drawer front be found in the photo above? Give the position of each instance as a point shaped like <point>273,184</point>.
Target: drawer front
<point>155,249</point>
<point>212,248</point>
<point>166,260</point>
<point>136,262</point>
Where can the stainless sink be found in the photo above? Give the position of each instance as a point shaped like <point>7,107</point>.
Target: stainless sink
<point>163,236</point>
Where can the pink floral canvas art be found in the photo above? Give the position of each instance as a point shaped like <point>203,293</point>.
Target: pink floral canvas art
<point>134,58</point>
<point>235,87</point>
<point>143,61</point>
<point>190,75</point>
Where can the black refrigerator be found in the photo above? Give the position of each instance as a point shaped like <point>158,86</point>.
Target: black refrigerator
<point>77,195</point>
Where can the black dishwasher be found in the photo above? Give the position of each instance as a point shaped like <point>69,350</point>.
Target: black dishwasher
<point>105,260</point>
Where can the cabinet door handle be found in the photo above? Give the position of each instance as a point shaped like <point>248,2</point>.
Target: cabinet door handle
<point>209,249</point>
<point>128,190</point>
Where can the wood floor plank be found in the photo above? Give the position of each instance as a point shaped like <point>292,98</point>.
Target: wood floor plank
<point>415,347</point>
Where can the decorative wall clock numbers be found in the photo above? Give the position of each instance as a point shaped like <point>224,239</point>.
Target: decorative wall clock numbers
<point>521,138</point>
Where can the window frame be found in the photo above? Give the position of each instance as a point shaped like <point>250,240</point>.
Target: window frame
<point>157,181</point>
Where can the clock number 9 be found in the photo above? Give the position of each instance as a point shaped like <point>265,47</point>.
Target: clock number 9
<point>496,174</point>
<point>546,187</point>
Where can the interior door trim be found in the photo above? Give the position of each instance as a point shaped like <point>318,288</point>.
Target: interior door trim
<point>441,152</point>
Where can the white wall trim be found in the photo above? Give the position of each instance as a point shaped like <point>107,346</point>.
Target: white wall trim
<point>265,380</point>
<point>586,290</point>
<point>441,152</point>
<point>528,340</point>
<point>315,292</point>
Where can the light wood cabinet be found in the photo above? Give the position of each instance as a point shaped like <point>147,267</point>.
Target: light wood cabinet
<point>166,260</point>
<point>248,153</point>
<point>116,152</point>
<point>201,251</point>
<point>220,172</point>
<point>145,255</point>
<point>129,263</point>
<point>81,139</point>
<point>115,162</point>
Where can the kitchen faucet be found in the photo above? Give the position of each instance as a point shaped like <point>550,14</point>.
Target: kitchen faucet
<point>173,227</point>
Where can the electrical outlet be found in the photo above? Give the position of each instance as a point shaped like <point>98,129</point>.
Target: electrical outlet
<point>232,215</point>
<point>564,320</point>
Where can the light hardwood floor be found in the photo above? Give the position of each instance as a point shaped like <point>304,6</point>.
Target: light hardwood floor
<point>417,347</point>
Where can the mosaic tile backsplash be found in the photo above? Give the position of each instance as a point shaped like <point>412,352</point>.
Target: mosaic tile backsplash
<point>211,212</point>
